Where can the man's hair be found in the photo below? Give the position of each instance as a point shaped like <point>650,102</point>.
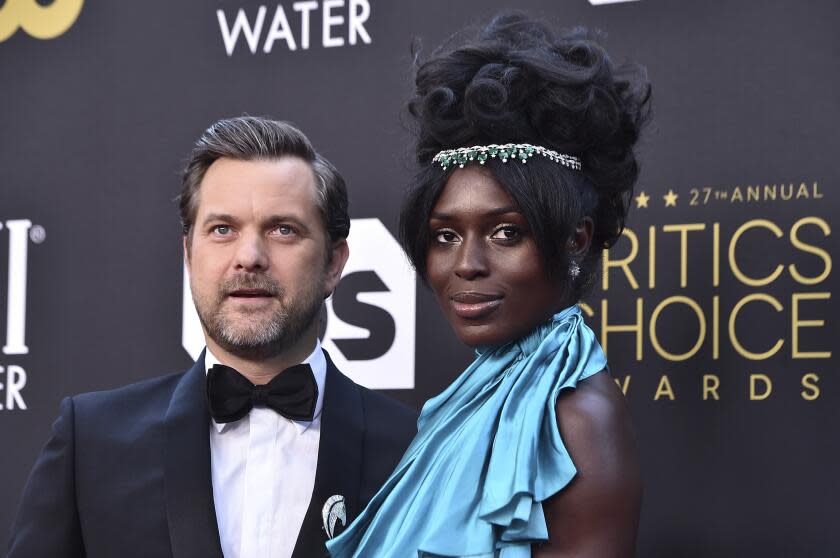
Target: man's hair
<point>249,138</point>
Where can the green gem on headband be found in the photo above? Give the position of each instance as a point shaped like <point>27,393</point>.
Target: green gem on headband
<point>514,151</point>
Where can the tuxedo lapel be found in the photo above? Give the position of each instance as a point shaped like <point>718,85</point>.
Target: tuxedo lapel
<point>189,493</point>
<point>339,466</point>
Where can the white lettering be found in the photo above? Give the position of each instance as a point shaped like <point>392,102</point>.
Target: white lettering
<point>15,382</point>
<point>357,21</point>
<point>279,30</point>
<point>304,8</point>
<point>241,25</point>
<point>16,296</point>
<point>331,21</point>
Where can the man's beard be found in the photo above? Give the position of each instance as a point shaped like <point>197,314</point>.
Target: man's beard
<point>259,338</point>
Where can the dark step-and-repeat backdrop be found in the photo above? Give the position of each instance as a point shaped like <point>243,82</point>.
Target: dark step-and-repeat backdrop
<point>716,308</point>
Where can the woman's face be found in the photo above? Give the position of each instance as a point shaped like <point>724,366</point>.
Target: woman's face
<point>483,263</point>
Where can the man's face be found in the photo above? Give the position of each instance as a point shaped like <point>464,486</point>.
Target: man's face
<point>257,257</point>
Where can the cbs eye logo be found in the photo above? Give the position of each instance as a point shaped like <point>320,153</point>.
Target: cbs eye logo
<point>41,22</point>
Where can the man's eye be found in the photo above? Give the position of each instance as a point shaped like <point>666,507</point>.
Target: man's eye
<point>221,230</point>
<point>506,232</point>
<point>284,230</point>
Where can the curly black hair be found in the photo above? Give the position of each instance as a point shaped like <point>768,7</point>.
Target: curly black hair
<point>519,82</point>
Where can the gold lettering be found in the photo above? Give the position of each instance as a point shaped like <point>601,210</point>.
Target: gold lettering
<point>796,323</point>
<point>652,257</point>
<point>809,382</point>
<point>711,383</point>
<point>752,193</point>
<point>734,316</point>
<point>624,385</point>
<point>770,192</point>
<point>716,255</point>
<point>41,22</point>
<point>789,194</point>
<point>624,263</point>
<point>684,230</point>
<point>763,223</point>
<point>736,195</point>
<point>664,388</point>
<point>654,339</point>
<point>633,328</point>
<point>715,327</point>
<point>817,194</point>
<point>802,192</point>
<point>811,249</point>
<point>768,387</point>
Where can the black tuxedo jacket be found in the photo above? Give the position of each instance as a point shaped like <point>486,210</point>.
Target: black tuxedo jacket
<point>126,473</point>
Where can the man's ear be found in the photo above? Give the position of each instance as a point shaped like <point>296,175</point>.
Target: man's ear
<point>340,253</point>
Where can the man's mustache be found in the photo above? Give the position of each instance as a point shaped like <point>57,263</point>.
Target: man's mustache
<point>251,282</point>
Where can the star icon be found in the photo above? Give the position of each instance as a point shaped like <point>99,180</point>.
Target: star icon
<point>642,200</point>
<point>670,198</point>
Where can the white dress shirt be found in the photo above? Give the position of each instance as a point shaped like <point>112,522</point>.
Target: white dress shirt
<point>263,472</point>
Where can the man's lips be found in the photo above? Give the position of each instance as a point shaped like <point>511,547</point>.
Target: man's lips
<point>250,294</point>
<point>473,305</point>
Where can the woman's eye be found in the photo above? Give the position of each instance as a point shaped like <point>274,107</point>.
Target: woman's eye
<point>506,233</point>
<point>446,236</point>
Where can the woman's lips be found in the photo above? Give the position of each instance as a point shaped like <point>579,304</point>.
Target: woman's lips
<point>472,305</point>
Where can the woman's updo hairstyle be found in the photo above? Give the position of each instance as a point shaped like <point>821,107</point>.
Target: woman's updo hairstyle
<point>519,82</point>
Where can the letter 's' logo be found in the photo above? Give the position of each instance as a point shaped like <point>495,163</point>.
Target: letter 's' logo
<point>41,22</point>
<point>370,319</point>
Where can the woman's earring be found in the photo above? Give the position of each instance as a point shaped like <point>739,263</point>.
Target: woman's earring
<point>574,269</point>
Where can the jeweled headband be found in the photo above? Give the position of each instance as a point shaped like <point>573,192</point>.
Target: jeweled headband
<point>515,151</point>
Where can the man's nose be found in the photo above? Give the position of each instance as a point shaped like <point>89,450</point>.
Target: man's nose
<point>251,254</point>
<point>472,259</point>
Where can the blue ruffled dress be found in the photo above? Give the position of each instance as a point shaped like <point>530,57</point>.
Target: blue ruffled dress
<point>486,454</point>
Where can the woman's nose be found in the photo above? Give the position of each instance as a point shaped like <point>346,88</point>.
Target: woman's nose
<point>472,259</point>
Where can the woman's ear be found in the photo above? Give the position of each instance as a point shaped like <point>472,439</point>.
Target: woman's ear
<point>581,238</point>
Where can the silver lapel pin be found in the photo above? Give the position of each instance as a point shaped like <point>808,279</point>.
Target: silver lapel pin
<point>332,512</point>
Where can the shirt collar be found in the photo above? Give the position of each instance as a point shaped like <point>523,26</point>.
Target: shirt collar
<point>316,361</point>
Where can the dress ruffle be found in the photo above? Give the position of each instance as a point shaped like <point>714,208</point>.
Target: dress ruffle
<point>486,455</point>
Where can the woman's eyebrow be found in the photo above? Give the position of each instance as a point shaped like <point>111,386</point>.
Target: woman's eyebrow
<point>503,210</point>
<point>493,212</point>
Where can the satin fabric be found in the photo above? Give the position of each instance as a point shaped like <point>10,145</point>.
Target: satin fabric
<point>486,454</point>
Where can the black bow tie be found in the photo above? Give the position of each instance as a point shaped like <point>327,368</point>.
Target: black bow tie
<point>231,396</point>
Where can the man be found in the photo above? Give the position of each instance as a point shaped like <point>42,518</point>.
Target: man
<point>294,449</point>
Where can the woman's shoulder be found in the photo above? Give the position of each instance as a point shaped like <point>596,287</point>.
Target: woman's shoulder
<point>594,410</point>
<point>597,514</point>
<point>596,429</point>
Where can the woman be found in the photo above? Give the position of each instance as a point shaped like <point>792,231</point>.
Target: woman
<point>525,142</point>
